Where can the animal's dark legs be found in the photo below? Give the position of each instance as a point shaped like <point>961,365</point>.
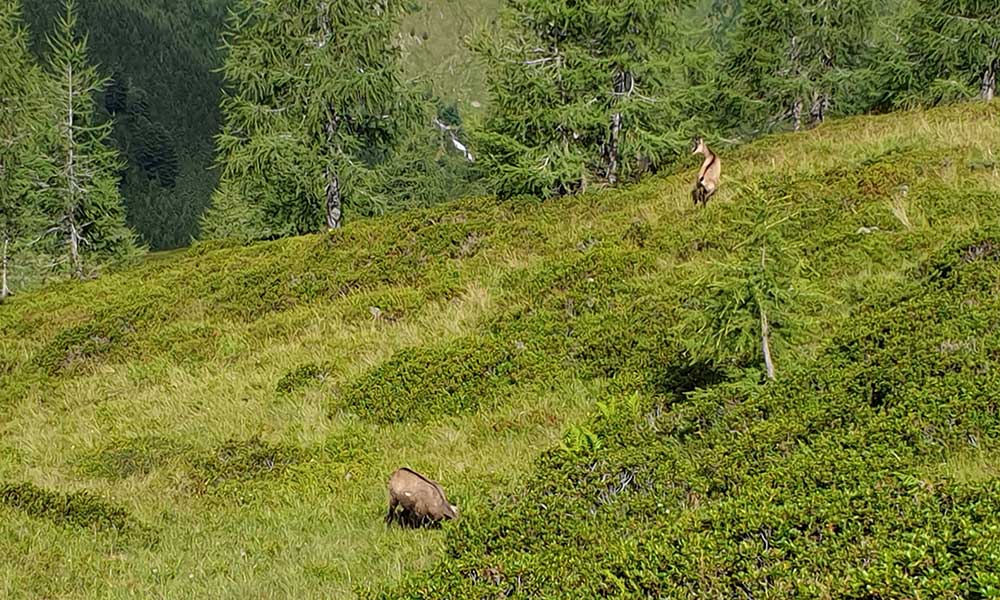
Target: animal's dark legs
<point>392,512</point>
<point>699,194</point>
<point>408,518</point>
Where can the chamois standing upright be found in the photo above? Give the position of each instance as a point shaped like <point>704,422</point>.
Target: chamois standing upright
<point>708,175</point>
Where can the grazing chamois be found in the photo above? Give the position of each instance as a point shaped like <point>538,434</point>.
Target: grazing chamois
<point>708,175</point>
<point>422,500</point>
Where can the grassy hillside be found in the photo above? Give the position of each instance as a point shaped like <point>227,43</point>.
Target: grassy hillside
<point>221,421</point>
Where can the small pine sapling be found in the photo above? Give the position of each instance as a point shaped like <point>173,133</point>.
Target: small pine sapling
<point>754,307</point>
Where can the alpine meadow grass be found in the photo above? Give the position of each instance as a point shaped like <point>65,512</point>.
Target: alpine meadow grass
<point>221,422</point>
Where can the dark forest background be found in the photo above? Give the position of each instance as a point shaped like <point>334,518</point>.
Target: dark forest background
<point>163,59</point>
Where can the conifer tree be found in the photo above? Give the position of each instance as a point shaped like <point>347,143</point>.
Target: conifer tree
<point>23,173</point>
<point>168,51</point>
<point>791,59</point>
<point>88,211</point>
<point>581,91</point>
<point>957,41</point>
<point>315,103</point>
<point>756,306</point>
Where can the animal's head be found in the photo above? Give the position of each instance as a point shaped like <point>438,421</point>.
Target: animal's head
<point>697,145</point>
<point>452,512</point>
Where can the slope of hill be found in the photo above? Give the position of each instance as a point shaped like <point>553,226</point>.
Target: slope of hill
<point>221,422</point>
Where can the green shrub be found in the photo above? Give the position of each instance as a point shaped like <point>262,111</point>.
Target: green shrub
<point>243,461</point>
<point>302,376</point>
<point>453,378</point>
<point>79,510</point>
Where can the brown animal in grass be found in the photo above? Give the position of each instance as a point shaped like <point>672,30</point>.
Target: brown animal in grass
<point>422,500</point>
<point>708,175</point>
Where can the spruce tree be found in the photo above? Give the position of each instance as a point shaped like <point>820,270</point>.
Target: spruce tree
<point>169,51</point>
<point>756,306</point>
<point>956,43</point>
<point>23,173</point>
<point>88,210</point>
<point>793,59</point>
<point>315,103</point>
<point>582,91</point>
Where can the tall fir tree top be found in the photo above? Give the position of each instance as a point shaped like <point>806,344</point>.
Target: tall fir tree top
<point>960,39</point>
<point>68,61</point>
<point>23,171</point>
<point>582,92</point>
<point>18,70</point>
<point>89,209</point>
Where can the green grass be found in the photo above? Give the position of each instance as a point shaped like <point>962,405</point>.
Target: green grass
<point>241,408</point>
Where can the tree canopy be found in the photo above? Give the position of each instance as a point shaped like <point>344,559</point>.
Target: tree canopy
<point>583,92</point>
<point>317,105</point>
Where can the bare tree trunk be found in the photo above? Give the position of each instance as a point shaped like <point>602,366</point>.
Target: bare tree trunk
<point>765,343</point>
<point>72,185</point>
<point>616,128</point>
<point>74,249</point>
<point>4,289</point>
<point>333,199</point>
<point>765,328</point>
<point>793,71</point>
<point>989,84</point>
<point>988,87</point>
<point>623,84</point>
<point>820,104</point>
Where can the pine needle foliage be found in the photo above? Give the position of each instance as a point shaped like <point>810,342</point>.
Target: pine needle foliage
<point>23,173</point>
<point>793,60</point>
<point>583,92</point>
<point>88,209</point>
<point>315,102</point>
<point>955,45</point>
<point>163,57</point>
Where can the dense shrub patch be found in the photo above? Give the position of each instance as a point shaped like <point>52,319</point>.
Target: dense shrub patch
<point>820,485</point>
<point>76,509</point>
<point>237,461</point>
<point>76,347</point>
<point>456,377</point>
<point>132,457</point>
